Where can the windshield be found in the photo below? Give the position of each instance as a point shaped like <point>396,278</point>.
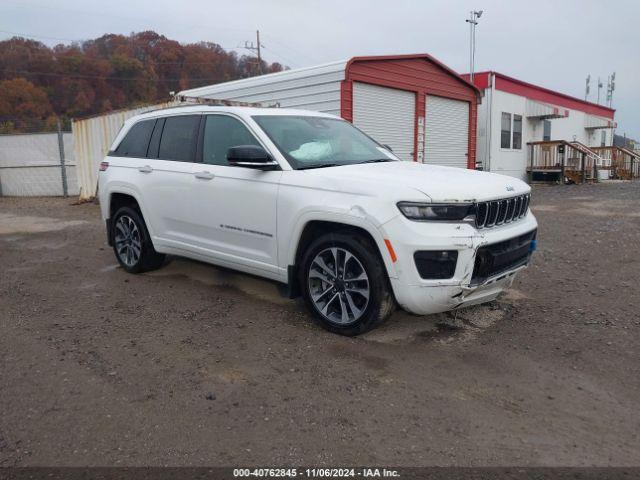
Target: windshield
<point>315,142</point>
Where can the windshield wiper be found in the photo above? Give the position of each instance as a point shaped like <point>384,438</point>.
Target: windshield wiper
<point>378,160</point>
<point>318,165</point>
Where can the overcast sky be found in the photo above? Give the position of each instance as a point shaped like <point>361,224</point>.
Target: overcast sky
<point>555,44</point>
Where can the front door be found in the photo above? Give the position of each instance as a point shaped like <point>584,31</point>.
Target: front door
<point>234,208</point>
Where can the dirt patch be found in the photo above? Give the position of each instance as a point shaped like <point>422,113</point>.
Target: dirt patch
<point>176,368</point>
<point>11,224</point>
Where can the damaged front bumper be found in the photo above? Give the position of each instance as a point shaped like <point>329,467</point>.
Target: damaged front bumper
<point>426,296</point>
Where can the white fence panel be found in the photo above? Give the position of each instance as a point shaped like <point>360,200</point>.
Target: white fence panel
<point>30,165</point>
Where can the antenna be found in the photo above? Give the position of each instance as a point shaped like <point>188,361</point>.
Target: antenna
<point>612,87</point>
<point>588,87</point>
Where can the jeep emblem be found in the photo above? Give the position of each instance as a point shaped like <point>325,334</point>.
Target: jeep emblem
<point>510,188</point>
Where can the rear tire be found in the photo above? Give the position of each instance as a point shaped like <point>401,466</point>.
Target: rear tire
<point>344,284</point>
<point>132,243</point>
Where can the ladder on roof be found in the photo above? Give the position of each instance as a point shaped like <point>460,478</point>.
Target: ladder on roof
<point>220,102</point>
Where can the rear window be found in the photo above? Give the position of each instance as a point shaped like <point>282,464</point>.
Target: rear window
<point>136,141</point>
<point>179,137</point>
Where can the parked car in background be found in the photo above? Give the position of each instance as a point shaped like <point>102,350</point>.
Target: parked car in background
<point>307,199</point>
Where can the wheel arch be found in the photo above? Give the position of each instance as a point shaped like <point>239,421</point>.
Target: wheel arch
<point>311,228</point>
<point>116,200</point>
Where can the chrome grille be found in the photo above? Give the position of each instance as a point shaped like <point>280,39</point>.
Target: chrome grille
<point>498,212</point>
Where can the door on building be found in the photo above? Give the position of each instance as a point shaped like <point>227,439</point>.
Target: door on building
<point>387,115</point>
<point>447,132</point>
<point>546,130</point>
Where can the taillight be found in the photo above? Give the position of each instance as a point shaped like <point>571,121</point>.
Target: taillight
<point>104,166</point>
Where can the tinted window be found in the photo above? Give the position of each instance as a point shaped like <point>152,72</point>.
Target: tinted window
<point>220,133</point>
<point>179,136</point>
<point>136,141</point>
<point>154,144</point>
<point>505,131</point>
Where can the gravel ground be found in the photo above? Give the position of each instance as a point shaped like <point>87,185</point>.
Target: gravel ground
<point>194,365</point>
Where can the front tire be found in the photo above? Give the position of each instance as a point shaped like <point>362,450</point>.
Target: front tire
<point>345,284</point>
<point>132,243</point>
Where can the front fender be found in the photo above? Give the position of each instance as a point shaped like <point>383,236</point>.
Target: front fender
<point>355,218</point>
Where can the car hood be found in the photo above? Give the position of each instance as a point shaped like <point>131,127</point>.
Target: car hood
<point>440,184</point>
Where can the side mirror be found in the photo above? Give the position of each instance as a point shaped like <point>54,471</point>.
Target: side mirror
<point>387,147</point>
<point>250,156</point>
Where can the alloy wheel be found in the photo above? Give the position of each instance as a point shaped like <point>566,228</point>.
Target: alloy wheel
<point>127,241</point>
<point>339,285</point>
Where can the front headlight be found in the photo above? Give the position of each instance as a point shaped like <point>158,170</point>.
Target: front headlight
<point>442,212</point>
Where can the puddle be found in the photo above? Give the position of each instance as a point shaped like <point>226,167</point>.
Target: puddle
<point>12,224</point>
<point>215,276</point>
<point>403,327</point>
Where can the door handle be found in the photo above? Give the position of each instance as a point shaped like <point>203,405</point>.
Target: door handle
<point>204,175</point>
<point>145,169</point>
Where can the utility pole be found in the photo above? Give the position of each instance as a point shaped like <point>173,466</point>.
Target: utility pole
<point>472,21</point>
<point>256,48</point>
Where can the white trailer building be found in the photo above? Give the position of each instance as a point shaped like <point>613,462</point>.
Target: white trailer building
<point>518,120</point>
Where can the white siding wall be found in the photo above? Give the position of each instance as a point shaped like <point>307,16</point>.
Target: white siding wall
<point>314,88</point>
<point>513,162</point>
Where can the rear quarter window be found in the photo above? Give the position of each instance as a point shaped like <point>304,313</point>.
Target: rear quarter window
<point>136,141</point>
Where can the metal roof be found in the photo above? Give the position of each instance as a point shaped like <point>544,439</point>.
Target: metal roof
<point>298,73</point>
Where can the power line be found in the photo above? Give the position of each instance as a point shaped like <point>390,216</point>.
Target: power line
<point>102,77</point>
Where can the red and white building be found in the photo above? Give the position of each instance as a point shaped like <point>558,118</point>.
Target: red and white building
<point>418,106</point>
<point>514,113</point>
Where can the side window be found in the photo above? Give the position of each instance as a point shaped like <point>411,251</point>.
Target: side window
<point>517,132</point>
<point>603,138</point>
<point>179,136</point>
<point>136,141</point>
<point>505,131</point>
<point>220,133</point>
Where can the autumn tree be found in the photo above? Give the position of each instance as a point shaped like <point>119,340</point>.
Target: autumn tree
<point>110,72</point>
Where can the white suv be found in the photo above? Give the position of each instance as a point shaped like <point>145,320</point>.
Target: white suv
<point>309,200</point>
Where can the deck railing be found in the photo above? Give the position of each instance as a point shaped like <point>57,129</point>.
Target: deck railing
<point>625,164</point>
<point>565,159</point>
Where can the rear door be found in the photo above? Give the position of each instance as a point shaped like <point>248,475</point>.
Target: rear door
<point>234,208</point>
<point>168,179</point>
<point>387,115</point>
<point>447,132</point>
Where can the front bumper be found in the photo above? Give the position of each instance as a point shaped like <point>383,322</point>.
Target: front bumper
<point>421,296</point>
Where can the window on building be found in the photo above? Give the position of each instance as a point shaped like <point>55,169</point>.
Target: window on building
<point>603,138</point>
<point>220,133</point>
<point>546,130</point>
<point>179,136</point>
<point>505,131</point>
<point>135,143</point>
<point>517,132</point>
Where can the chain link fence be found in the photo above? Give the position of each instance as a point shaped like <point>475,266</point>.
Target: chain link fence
<point>37,164</point>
